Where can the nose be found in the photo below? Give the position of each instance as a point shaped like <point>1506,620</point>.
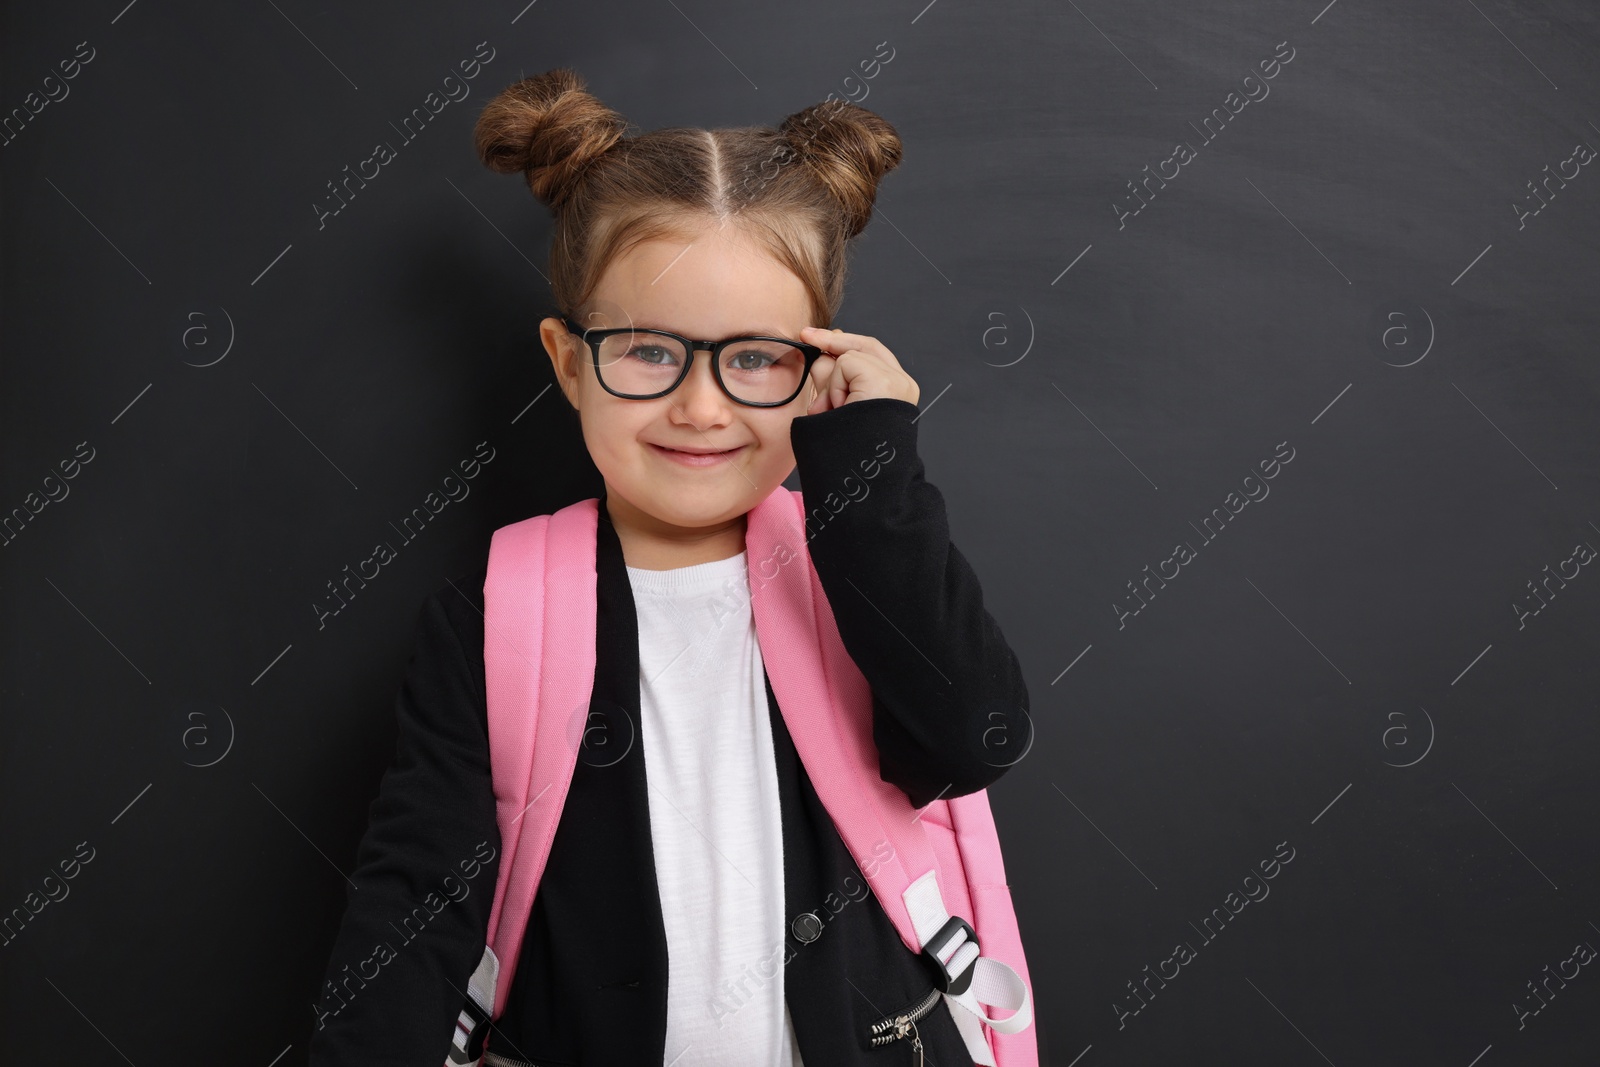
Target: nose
<point>699,398</point>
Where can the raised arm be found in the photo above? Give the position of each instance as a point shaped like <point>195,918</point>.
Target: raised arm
<point>415,921</point>
<point>950,708</point>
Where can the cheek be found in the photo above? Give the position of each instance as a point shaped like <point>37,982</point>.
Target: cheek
<point>611,438</point>
<point>775,459</point>
<point>773,464</point>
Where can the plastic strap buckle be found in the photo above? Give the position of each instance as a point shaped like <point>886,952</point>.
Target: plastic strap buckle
<point>472,1026</point>
<point>957,984</point>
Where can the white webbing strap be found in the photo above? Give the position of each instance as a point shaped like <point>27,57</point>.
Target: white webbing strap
<point>480,987</point>
<point>993,983</point>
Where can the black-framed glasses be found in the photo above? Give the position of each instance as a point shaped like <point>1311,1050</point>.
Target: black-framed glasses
<point>639,364</point>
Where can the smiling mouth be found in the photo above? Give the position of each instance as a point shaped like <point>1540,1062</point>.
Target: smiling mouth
<point>702,460</point>
<point>692,452</point>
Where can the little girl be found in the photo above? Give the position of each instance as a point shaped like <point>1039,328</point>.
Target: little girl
<point>698,905</point>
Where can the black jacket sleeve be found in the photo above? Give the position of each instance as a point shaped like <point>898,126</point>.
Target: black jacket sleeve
<point>950,708</point>
<point>415,922</point>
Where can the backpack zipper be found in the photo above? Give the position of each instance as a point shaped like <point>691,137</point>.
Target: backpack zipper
<point>894,1027</point>
<point>495,1059</point>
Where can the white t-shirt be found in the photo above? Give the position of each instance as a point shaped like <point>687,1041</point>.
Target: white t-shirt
<point>715,822</point>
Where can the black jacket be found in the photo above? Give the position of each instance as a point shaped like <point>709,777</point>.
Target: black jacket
<point>949,715</point>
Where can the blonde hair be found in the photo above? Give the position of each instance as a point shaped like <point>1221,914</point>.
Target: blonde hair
<point>801,191</point>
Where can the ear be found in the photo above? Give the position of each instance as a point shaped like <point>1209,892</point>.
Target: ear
<point>564,351</point>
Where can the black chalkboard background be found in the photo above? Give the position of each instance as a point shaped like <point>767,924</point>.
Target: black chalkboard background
<point>1273,438</point>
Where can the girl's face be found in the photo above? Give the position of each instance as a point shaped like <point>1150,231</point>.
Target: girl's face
<point>718,285</point>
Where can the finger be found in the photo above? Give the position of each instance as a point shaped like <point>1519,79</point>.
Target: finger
<point>817,380</point>
<point>838,342</point>
<point>832,341</point>
<point>839,383</point>
<point>819,374</point>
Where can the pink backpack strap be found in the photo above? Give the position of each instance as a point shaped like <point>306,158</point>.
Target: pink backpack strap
<point>917,868</point>
<point>539,659</point>
<point>994,914</point>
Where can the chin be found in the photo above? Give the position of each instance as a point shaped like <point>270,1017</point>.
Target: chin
<point>691,506</point>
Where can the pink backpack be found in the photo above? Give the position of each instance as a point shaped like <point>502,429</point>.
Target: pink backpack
<point>942,884</point>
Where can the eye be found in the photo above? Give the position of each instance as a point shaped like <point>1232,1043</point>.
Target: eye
<point>656,355</point>
<point>751,359</point>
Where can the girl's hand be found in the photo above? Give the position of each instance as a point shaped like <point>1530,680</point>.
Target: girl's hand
<point>854,367</point>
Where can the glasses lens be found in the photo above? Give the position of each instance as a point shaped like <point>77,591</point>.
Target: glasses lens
<point>643,362</point>
<point>762,371</point>
<point>640,362</point>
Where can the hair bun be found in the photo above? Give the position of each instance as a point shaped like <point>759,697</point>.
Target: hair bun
<point>849,148</point>
<point>548,127</point>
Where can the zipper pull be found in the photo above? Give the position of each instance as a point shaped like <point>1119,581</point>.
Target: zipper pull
<point>916,1043</point>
